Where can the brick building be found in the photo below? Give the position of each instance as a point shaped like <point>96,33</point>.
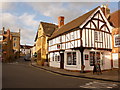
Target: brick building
<point>8,52</point>
<point>115,19</point>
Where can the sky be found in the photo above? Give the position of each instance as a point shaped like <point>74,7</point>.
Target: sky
<point>27,15</point>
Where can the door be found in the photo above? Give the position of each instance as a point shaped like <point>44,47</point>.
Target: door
<point>62,60</point>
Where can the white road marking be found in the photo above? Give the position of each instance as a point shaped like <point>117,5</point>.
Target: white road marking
<point>99,85</point>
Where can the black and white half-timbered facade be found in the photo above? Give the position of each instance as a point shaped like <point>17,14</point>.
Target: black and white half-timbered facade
<point>82,42</point>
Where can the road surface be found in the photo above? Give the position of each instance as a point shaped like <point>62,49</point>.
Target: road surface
<point>23,75</point>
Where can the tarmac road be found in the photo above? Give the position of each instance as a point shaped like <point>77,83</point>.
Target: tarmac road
<point>18,75</point>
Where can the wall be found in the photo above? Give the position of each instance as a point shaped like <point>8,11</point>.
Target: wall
<point>115,50</point>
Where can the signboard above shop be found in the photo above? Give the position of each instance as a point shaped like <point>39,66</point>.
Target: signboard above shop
<point>117,40</point>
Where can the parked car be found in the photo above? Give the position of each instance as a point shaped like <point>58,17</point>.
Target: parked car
<point>27,57</point>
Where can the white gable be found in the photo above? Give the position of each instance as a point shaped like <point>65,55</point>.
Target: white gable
<point>95,21</point>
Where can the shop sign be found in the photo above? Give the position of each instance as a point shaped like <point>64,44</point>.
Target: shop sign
<point>117,40</point>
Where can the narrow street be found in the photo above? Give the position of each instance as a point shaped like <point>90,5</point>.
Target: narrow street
<point>23,75</point>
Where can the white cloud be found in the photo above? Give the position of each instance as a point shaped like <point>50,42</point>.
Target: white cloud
<point>6,6</point>
<point>25,22</point>
<point>55,9</point>
<point>28,20</point>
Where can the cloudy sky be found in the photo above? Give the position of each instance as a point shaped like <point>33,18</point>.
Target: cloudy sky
<point>27,15</point>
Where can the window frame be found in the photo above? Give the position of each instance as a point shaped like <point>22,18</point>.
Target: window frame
<point>72,58</point>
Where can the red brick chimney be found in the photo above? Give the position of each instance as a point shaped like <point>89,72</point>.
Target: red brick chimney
<point>8,32</point>
<point>60,21</point>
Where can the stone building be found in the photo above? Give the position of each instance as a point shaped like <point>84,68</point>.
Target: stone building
<point>44,31</point>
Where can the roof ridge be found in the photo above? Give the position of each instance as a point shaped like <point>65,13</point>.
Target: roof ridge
<point>73,21</point>
<point>115,11</point>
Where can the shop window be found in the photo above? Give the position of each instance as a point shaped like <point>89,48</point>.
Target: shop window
<point>86,56</point>
<point>57,57</point>
<point>98,57</point>
<point>92,58</point>
<point>53,57</point>
<point>71,58</point>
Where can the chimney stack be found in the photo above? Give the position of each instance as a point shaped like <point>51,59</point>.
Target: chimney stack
<point>105,10</point>
<point>3,30</point>
<point>8,32</point>
<point>60,21</point>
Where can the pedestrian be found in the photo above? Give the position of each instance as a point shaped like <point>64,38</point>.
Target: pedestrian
<point>94,69</point>
<point>98,68</point>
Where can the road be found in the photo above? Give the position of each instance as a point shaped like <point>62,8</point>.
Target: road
<point>23,75</point>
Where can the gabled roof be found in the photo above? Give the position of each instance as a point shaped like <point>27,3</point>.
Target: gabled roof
<point>73,24</point>
<point>48,29</point>
<point>115,18</point>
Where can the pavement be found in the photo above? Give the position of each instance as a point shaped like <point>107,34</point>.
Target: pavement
<point>109,75</point>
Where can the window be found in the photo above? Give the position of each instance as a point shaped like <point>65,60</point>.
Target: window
<point>98,57</point>
<point>92,58</point>
<point>53,57</point>
<point>14,44</point>
<point>72,35</point>
<point>100,36</point>
<point>51,42</point>
<point>0,46</point>
<point>71,58</point>
<point>96,36</point>
<point>14,39</point>
<point>0,38</point>
<point>57,57</point>
<point>86,56</point>
<point>58,46</point>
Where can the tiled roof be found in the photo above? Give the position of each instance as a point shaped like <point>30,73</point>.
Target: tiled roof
<point>115,18</point>
<point>48,29</point>
<point>73,24</point>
